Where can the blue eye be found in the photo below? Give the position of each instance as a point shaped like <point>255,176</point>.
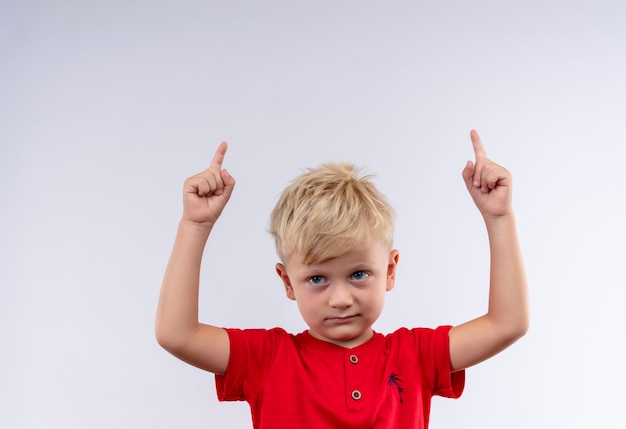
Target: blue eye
<point>359,275</point>
<point>317,280</point>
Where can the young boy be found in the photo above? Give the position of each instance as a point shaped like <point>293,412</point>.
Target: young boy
<point>333,233</point>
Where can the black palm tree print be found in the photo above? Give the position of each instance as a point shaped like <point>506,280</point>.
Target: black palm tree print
<point>393,380</point>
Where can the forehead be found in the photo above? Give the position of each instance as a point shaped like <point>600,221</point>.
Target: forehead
<point>363,254</point>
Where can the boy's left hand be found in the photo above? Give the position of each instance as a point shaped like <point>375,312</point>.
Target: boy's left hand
<point>488,183</point>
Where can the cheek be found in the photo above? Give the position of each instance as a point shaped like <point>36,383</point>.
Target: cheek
<point>308,303</point>
<point>375,299</point>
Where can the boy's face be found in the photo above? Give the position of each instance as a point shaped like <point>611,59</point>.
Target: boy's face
<point>341,298</point>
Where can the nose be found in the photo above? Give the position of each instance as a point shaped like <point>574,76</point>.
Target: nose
<point>340,295</point>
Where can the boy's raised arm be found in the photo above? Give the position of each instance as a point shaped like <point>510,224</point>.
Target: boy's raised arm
<point>177,328</point>
<point>507,318</point>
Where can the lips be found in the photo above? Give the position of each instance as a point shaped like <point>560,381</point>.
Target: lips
<point>341,320</point>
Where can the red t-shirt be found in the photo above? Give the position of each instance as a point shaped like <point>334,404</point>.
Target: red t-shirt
<point>297,381</point>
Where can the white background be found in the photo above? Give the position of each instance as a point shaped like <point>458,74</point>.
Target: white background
<point>107,106</point>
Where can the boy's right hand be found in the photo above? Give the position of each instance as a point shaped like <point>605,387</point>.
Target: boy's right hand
<point>206,193</point>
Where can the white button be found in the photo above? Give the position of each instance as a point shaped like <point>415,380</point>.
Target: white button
<point>356,395</point>
<point>354,359</point>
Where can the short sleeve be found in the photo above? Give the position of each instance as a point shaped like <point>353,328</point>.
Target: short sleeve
<point>447,383</point>
<point>251,353</point>
<point>229,386</point>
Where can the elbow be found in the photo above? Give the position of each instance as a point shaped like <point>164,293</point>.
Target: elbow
<point>517,330</point>
<point>508,331</point>
<point>523,324</point>
<point>161,336</point>
<point>173,338</point>
<point>516,335</point>
<point>524,328</point>
<point>166,338</point>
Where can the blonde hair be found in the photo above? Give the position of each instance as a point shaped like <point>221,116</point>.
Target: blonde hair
<point>327,211</point>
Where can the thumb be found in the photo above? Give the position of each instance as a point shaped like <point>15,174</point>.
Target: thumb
<point>468,174</point>
<point>229,184</point>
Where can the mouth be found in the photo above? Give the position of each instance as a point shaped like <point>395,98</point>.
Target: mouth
<point>341,320</point>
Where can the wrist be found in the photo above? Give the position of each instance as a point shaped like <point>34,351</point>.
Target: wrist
<point>502,220</point>
<point>198,229</point>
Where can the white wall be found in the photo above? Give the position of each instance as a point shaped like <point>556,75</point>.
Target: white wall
<point>106,107</point>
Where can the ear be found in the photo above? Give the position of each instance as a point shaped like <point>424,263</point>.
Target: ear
<point>394,256</point>
<point>282,273</point>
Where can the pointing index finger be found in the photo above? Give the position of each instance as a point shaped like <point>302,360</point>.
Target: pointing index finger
<point>220,153</point>
<point>479,149</point>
